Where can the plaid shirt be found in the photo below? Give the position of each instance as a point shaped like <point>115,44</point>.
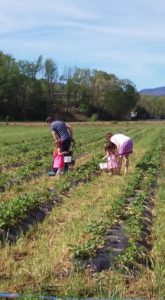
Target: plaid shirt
<point>60,129</point>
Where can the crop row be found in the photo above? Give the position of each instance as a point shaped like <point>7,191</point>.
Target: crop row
<point>22,152</point>
<point>38,167</point>
<point>15,154</point>
<point>15,210</point>
<point>35,156</point>
<point>139,217</point>
<point>148,166</point>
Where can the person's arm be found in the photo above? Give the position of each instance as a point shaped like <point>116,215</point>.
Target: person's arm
<point>55,136</point>
<point>69,128</point>
<point>63,153</point>
<point>105,156</point>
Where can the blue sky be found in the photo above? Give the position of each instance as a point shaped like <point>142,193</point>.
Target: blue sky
<point>123,37</point>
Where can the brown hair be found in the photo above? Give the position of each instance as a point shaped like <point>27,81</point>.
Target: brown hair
<point>50,119</point>
<point>58,143</point>
<point>110,147</point>
<point>109,135</point>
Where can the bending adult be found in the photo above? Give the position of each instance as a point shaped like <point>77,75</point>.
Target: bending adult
<point>124,145</point>
<point>61,132</point>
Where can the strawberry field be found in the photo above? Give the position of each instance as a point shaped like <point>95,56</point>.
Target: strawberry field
<point>86,234</point>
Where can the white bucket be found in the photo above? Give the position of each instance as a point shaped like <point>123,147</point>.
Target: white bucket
<point>67,159</point>
<point>103,166</point>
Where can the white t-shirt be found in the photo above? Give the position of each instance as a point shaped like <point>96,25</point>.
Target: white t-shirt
<point>118,139</point>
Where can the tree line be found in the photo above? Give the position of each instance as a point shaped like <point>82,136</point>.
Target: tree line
<point>151,107</point>
<point>33,90</point>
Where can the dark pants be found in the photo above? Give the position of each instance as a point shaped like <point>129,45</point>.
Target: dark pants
<point>65,147</point>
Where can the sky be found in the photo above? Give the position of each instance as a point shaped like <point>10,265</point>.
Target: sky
<point>121,37</point>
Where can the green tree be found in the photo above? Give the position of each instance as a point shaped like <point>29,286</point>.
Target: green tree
<point>9,86</point>
<point>51,78</point>
<point>121,99</point>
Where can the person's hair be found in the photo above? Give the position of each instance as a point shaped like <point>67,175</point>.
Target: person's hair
<point>110,147</point>
<point>109,135</point>
<point>50,119</point>
<point>58,143</point>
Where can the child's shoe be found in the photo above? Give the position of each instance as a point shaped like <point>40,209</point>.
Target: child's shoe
<point>51,173</point>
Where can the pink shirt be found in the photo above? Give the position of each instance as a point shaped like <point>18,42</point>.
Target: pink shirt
<point>58,162</point>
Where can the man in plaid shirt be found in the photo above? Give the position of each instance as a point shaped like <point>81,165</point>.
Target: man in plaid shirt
<point>60,131</point>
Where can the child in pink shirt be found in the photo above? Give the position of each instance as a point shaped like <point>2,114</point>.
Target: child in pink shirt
<point>58,159</point>
<point>112,158</point>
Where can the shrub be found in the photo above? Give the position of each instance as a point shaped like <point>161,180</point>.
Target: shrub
<point>94,118</point>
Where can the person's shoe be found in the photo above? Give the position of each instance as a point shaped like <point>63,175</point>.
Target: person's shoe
<point>51,173</point>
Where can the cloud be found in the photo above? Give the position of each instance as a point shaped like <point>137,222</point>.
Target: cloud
<point>121,36</point>
<point>29,14</point>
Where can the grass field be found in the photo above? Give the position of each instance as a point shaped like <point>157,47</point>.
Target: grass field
<point>87,234</point>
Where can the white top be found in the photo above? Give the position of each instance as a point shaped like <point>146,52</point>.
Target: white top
<point>118,139</point>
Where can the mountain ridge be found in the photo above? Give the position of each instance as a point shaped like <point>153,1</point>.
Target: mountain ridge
<point>158,91</point>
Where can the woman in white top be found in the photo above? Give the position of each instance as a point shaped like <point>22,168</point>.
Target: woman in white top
<point>124,146</point>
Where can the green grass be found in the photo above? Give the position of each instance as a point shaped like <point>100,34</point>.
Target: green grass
<point>44,255</point>
<point>158,251</point>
